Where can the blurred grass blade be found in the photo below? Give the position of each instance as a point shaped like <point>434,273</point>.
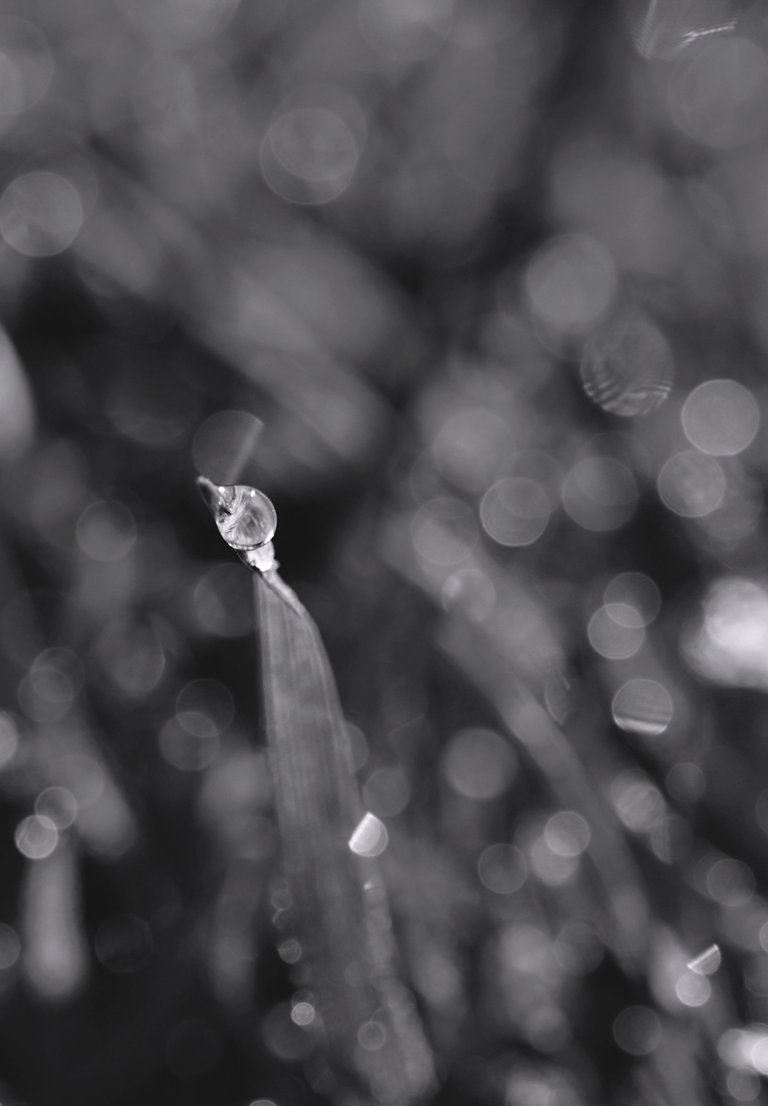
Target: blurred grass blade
<point>17,408</point>
<point>341,910</point>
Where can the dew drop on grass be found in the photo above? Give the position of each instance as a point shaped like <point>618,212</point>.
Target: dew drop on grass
<point>250,521</point>
<point>627,367</point>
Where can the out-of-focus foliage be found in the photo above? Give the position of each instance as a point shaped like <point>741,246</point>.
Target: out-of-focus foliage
<point>475,291</point>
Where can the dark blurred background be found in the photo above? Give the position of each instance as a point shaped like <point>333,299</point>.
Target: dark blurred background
<point>477,292</point>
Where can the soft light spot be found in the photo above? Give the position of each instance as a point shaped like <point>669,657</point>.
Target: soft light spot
<point>479,763</point>
<point>371,1036</point>
<point>571,281</point>
<point>370,837</point>
<point>36,837</point>
<point>730,882</point>
<point>637,801</point>
<point>643,707</point>
<point>637,1030</point>
<point>444,531</point>
<point>627,368</point>
<point>637,590</point>
<point>693,990</point>
<point>600,493</point>
<point>691,484</point>
<point>721,417</point>
<point>717,96</point>
<point>386,792</point>
<point>502,869</point>
<point>59,805</point>
<point>302,1013</point>
<point>567,833</point>
<point>190,746</point>
<point>106,531</point>
<point>730,644</point>
<point>406,30</point>
<point>515,511</point>
<point>615,631</point>
<point>41,214</point>
<point>313,145</point>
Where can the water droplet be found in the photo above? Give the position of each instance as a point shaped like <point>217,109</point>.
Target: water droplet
<point>245,517</point>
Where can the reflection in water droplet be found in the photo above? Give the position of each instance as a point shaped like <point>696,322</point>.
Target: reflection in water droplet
<point>720,417</point>
<point>627,368</point>
<point>643,707</point>
<point>370,837</point>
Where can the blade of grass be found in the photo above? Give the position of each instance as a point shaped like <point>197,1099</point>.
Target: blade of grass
<point>374,1039</point>
<point>339,899</point>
